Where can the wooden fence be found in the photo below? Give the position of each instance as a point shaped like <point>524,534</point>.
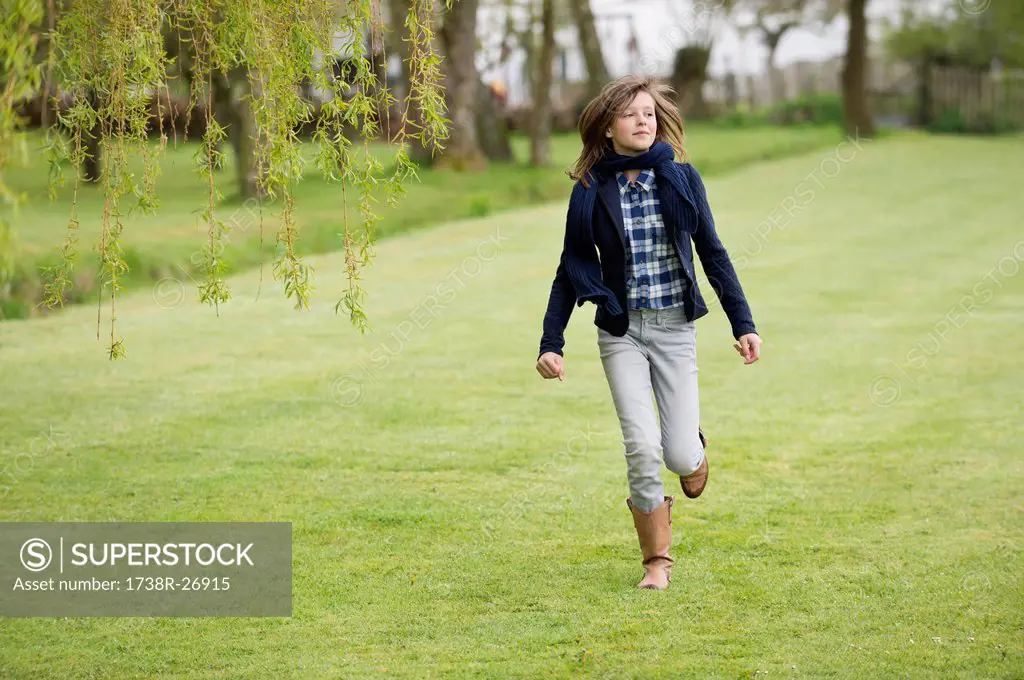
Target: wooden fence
<point>982,101</point>
<point>979,98</point>
<point>800,78</point>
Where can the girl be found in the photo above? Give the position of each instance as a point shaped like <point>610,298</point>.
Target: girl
<point>640,209</point>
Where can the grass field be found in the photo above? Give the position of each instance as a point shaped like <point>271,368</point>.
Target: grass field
<point>454,515</point>
<point>156,245</point>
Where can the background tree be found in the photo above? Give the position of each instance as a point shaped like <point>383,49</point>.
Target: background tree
<point>230,97</point>
<point>920,40</point>
<point>404,45</point>
<point>773,19</point>
<point>540,120</point>
<point>493,41</point>
<point>689,72</point>
<point>462,85</point>
<point>590,45</point>
<point>949,36</point>
<point>491,127</point>
<point>856,114</point>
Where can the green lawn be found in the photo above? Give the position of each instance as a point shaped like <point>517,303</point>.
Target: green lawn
<point>454,515</point>
<point>154,245</point>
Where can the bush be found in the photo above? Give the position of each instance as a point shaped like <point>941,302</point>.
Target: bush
<point>990,123</point>
<point>952,121</point>
<point>740,119</point>
<point>812,109</point>
<point>480,205</point>
<point>949,120</point>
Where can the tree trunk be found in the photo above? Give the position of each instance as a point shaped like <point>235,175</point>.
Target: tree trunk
<point>91,165</point>
<point>540,121</point>
<point>590,44</point>
<point>399,10</point>
<point>224,110</point>
<point>458,35</point>
<point>778,87</point>
<point>856,116</point>
<point>923,115</point>
<point>772,38</point>
<point>732,96</point>
<point>491,127</point>
<point>775,77</point>
<point>91,141</point>
<point>688,78</point>
<point>245,142</point>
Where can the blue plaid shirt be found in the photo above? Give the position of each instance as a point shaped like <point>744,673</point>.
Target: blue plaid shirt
<point>655,274</point>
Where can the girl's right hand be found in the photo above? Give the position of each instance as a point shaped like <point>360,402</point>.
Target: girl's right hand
<point>551,365</point>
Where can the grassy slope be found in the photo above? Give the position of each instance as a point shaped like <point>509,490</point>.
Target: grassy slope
<point>836,538</point>
<point>155,244</point>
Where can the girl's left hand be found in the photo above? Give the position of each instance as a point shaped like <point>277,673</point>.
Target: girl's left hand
<point>749,347</point>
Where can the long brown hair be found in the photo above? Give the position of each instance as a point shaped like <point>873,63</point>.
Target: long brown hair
<point>601,112</point>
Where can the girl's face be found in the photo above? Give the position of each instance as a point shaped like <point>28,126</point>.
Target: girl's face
<point>633,132</point>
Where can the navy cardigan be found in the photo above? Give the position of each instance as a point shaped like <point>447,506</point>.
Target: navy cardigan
<point>610,241</point>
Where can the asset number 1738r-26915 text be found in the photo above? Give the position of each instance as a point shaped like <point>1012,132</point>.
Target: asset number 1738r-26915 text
<point>180,583</point>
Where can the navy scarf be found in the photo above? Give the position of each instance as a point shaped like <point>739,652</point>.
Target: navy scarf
<point>581,262</point>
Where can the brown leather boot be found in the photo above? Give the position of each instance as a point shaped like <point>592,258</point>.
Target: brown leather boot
<point>654,529</point>
<point>693,483</point>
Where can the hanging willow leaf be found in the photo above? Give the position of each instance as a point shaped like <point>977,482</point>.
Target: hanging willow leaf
<point>110,61</point>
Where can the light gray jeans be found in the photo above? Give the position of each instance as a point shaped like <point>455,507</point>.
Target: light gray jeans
<point>659,353</point>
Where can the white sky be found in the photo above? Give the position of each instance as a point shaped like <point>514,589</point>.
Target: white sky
<point>662,31</point>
